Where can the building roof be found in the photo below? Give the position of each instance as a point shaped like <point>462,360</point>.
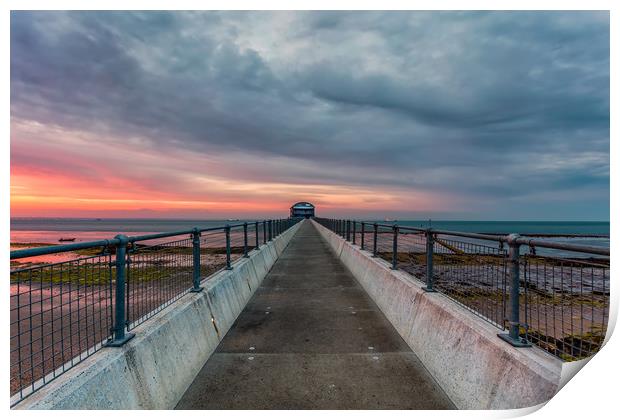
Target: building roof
<point>302,205</point>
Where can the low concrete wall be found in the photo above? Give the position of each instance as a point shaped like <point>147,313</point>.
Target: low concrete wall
<point>154,369</point>
<point>475,368</point>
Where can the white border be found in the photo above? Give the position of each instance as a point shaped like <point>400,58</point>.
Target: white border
<point>590,395</point>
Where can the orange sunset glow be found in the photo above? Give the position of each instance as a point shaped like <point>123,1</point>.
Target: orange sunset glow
<point>57,173</point>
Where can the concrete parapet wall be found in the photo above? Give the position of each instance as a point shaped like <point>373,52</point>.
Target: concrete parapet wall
<point>154,369</point>
<point>475,368</point>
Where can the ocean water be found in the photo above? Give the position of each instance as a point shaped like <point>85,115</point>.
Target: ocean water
<point>32,232</point>
<point>592,233</point>
<point>50,230</point>
<point>505,227</point>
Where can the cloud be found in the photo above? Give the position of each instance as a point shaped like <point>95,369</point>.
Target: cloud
<point>468,106</point>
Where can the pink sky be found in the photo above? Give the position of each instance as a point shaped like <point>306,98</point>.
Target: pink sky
<point>60,173</point>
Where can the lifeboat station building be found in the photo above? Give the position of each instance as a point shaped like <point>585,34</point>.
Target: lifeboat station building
<point>302,209</point>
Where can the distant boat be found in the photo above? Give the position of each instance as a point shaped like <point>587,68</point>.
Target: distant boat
<point>389,220</point>
<point>66,240</point>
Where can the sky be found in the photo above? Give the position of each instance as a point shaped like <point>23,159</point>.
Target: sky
<point>443,115</point>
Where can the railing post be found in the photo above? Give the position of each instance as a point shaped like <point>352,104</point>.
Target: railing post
<point>374,244</point>
<point>395,248</point>
<point>354,232</point>
<point>120,336</point>
<point>362,236</point>
<point>348,230</point>
<point>256,232</point>
<point>430,241</point>
<point>513,333</point>
<point>227,230</point>
<point>270,230</point>
<point>245,240</point>
<point>264,231</point>
<point>196,255</point>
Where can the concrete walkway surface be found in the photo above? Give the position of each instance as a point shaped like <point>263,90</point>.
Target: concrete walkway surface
<point>311,338</point>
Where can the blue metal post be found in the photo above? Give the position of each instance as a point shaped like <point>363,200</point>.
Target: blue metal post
<point>245,240</point>
<point>348,230</point>
<point>374,242</point>
<point>395,248</point>
<point>430,241</point>
<point>264,231</point>
<point>227,230</point>
<point>354,232</point>
<point>120,320</point>
<point>196,255</point>
<point>362,236</point>
<point>513,333</point>
<point>256,232</point>
<point>270,230</point>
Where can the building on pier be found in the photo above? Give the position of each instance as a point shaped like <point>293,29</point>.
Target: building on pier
<point>302,209</point>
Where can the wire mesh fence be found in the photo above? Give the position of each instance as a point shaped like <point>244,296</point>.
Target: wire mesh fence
<point>411,255</point>
<point>473,275</point>
<point>212,252</point>
<point>561,303</point>
<point>62,313</point>
<point>564,303</point>
<point>384,242</point>
<point>157,275</point>
<point>59,315</point>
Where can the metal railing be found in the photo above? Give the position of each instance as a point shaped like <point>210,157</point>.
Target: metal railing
<point>63,312</point>
<point>554,295</point>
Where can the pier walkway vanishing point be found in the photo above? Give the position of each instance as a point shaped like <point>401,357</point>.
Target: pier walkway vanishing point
<point>311,338</point>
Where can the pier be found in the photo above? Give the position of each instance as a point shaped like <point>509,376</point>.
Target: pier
<point>311,338</point>
<point>303,313</point>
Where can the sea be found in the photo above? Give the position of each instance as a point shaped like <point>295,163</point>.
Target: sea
<point>50,230</point>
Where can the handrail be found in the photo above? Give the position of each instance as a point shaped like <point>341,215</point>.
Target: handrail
<point>55,249</point>
<point>129,286</point>
<point>509,289</point>
<point>520,240</point>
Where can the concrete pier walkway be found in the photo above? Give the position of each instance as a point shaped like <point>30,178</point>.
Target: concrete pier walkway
<point>311,338</point>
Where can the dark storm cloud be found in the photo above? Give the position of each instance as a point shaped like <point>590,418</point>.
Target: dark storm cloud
<point>493,105</point>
